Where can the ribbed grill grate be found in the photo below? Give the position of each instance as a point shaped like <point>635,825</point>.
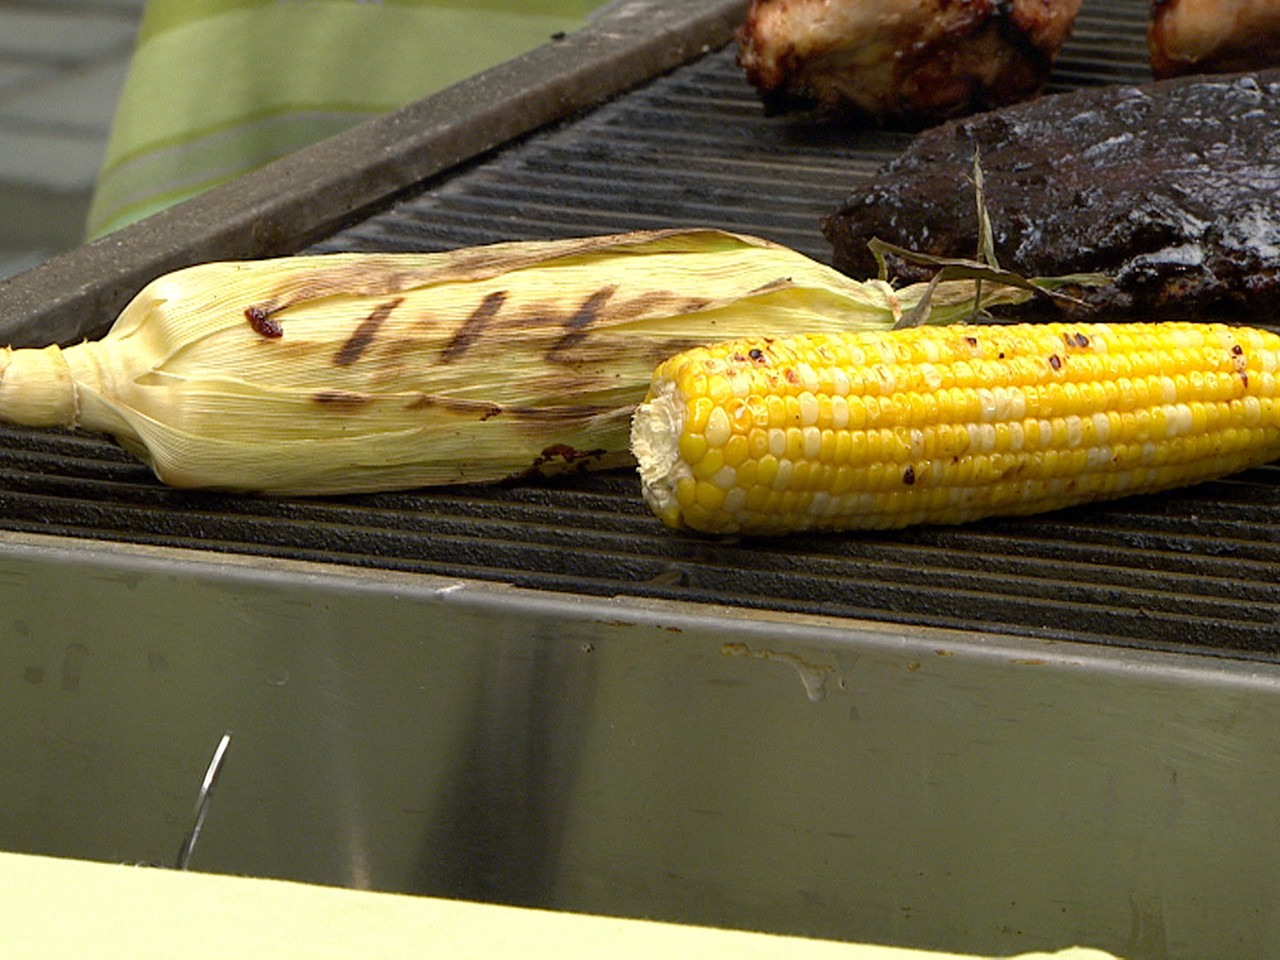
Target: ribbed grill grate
<point>691,149</point>
<point>1194,569</point>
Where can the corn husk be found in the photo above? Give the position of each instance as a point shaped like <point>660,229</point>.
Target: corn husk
<point>344,373</point>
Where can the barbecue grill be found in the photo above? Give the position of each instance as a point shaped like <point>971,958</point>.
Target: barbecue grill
<point>1013,735</point>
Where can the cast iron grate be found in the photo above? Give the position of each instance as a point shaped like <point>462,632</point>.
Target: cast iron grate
<point>1195,569</point>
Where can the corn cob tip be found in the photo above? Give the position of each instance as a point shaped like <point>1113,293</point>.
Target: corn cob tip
<point>656,426</point>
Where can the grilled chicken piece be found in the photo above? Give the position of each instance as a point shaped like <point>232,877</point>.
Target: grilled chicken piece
<point>901,61</point>
<point>1169,187</point>
<point>1213,36</point>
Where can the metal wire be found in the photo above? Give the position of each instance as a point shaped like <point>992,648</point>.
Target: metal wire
<point>202,801</point>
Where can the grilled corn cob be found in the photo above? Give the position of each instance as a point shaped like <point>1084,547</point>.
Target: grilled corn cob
<point>353,372</point>
<point>948,425</point>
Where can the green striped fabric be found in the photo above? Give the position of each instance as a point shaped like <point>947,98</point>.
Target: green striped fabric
<point>217,88</point>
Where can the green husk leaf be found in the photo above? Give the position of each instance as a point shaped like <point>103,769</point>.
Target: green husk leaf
<point>958,268</point>
<point>984,269</point>
<point>986,237</point>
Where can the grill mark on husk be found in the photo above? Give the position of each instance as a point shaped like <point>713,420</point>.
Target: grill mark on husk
<point>358,343</point>
<point>473,327</point>
<point>487,409</point>
<point>576,327</point>
<point>345,399</point>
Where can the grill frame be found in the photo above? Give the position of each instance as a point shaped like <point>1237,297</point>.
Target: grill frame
<point>1192,571</point>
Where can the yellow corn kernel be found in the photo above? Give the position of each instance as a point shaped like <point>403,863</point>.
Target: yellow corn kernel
<point>710,464</point>
<point>736,450</point>
<point>952,424</point>
<point>719,428</point>
<point>794,449</point>
<point>766,470</point>
<point>693,446</point>
<point>700,406</point>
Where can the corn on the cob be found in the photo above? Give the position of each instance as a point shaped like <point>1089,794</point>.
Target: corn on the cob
<point>948,425</point>
<point>355,372</point>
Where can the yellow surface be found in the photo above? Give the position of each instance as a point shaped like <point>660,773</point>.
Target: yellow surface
<point>70,909</point>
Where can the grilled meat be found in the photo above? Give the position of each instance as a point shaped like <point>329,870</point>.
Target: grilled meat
<point>902,61</point>
<point>1172,188</point>
<point>1213,36</point>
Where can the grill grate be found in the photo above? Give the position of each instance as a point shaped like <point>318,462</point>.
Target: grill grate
<point>1190,570</point>
<point>691,149</point>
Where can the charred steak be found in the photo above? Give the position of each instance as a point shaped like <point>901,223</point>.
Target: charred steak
<point>1172,188</point>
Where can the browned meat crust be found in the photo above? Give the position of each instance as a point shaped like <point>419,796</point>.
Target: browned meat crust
<point>1213,36</point>
<point>1173,188</point>
<point>902,61</point>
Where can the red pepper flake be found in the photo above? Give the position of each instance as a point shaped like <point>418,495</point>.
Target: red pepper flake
<point>1055,361</point>
<point>909,475</point>
<point>263,323</point>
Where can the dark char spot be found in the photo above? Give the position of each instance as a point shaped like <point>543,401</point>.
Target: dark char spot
<point>359,342</point>
<point>263,323</point>
<point>576,327</point>
<point>340,398</point>
<point>473,326</point>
